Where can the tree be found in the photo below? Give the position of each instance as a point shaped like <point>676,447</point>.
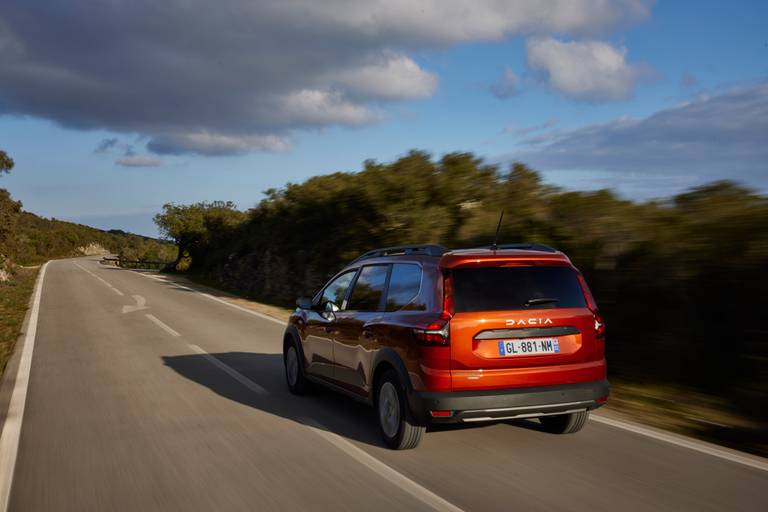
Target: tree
<point>189,225</point>
<point>6,162</point>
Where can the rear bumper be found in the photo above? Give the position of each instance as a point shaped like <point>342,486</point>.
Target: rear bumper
<point>489,405</point>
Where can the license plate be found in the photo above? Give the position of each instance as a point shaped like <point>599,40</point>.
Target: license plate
<point>528,347</point>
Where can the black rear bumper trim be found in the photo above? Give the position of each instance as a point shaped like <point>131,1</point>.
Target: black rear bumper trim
<point>510,403</point>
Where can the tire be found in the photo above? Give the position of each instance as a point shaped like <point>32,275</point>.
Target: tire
<point>294,371</point>
<point>398,428</point>
<point>564,423</point>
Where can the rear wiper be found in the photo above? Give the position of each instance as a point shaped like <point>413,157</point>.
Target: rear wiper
<point>540,300</point>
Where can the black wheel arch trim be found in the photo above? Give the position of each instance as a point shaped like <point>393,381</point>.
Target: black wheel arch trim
<point>393,359</point>
<point>293,332</point>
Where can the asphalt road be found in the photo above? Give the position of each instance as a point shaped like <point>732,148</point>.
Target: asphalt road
<point>172,401</point>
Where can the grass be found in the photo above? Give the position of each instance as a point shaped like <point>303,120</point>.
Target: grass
<point>689,412</point>
<point>14,301</point>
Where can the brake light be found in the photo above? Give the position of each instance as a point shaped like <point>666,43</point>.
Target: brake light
<point>436,333</point>
<point>448,308</point>
<point>599,325</point>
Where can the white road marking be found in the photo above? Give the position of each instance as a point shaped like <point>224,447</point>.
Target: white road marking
<point>209,296</point>
<point>161,325</point>
<point>140,304</point>
<point>118,291</point>
<point>94,275</point>
<point>239,377</point>
<point>692,444</point>
<point>9,439</point>
<point>393,476</point>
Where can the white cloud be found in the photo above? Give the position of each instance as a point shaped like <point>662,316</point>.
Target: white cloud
<point>243,75</point>
<point>586,70</point>
<point>393,77</point>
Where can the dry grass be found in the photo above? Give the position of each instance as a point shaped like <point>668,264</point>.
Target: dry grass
<point>14,301</point>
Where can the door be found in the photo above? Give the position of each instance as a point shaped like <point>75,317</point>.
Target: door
<point>353,338</point>
<point>321,323</point>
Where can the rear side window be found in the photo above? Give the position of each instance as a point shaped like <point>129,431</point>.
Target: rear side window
<point>404,285</point>
<point>337,290</point>
<point>514,288</point>
<point>369,288</point>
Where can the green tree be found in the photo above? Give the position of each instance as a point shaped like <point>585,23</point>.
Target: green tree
<point>188,226</point>
<point>6,162</point>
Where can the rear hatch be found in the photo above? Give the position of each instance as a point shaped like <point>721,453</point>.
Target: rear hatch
<point>516,321</point>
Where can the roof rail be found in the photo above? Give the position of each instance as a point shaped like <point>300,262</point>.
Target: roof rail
<point>522,247</point>
<point>403,250</point>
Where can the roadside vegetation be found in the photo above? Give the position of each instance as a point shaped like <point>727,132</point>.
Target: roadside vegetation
<point>681,281</point>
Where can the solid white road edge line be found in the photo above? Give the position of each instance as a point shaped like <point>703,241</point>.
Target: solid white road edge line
<point>9,439</point>
<point>393,476</point>
<point>691,444</point>
<point>239,377</point>
<point>208,295</point>
<point>163,326</point>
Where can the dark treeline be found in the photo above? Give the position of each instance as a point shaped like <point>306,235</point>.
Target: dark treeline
<point>682,282</point>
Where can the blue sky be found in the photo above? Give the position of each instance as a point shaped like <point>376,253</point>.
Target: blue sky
<point>689,79</point>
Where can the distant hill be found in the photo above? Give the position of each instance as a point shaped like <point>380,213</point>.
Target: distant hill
<point>26,238</point>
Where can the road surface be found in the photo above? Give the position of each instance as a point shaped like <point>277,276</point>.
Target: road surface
<point>144,395</point>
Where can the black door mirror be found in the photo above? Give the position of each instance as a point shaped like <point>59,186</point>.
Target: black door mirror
<point>304,302</point>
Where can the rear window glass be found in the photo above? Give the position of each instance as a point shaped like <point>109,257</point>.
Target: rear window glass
<point>369,288</point>
<point>514,288</point>
<point>403,285</point>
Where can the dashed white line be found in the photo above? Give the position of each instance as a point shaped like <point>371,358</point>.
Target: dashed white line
<point>398,479</point>
<point>239,377</point>
<point>163,326</point>
<point>691,444</point>
<point>117,291</point>
<point>209,296</point>
<point>9,439</point>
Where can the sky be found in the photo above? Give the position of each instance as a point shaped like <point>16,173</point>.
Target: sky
<point>112,109</point>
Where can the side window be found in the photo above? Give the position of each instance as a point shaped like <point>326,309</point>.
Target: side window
<point>404,285</point>
<point>369,288</point>
<point>336,291</point>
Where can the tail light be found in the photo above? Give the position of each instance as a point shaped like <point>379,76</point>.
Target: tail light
<point>439,332</point>
<point>592,305</point>
<point>599,325</point>
<point>436,333</point>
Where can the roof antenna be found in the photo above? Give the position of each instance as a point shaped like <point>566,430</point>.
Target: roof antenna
<point>495,245</point>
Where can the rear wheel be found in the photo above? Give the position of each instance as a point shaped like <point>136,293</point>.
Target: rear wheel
<point>398,427</point>
<point>564,423</point>
<point>294,373</point>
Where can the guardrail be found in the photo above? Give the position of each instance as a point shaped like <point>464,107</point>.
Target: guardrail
<point>137,264</point>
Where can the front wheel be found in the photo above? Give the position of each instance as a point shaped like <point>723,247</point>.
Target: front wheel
<point>294,373</point>
<point>564,423</point>
<point>398,427</point>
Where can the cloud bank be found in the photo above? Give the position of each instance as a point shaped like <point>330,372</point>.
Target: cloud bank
<point>233,76</point>
<point>713,137</point>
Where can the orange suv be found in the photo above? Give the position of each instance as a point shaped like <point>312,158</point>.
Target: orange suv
<point>427,335</point>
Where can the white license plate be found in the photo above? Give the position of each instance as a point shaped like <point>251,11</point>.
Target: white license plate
<point>528,347</point>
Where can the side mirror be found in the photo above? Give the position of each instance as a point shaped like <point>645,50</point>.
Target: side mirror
<point>304,302</point>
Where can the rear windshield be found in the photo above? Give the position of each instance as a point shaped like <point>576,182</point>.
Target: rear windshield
<point>512,288</point>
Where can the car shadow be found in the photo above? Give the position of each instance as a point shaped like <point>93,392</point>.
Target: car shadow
<point>320,407</point>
